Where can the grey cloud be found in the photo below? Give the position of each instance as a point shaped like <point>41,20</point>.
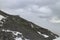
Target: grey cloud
<point>56,9</point>
<point>23,3</point>
<point>17,4</point>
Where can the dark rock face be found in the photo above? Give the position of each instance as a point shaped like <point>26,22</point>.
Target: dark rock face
<point>6,36</point>
<point>28,29</point>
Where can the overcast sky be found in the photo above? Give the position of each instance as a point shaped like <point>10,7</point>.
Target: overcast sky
<point>45,13</point>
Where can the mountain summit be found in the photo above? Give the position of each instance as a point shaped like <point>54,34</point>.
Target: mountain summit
<point>13,27</point>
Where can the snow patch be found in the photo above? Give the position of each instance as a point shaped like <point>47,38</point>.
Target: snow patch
<point>1,17</point>
<point>43,34</point>
<point>18,38</point>
<point>14,32</point>
<point>32,25</point>
<point>39,32</point>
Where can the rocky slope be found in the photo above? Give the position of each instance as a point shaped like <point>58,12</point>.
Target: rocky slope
<point>13,27</point>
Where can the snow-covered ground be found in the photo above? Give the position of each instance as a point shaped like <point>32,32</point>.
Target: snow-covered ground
<point>16,34</point>
<point>43,34</point>
<point>18,38</point>
<point>1,17</point>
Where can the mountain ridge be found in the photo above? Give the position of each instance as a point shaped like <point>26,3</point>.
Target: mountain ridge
<point>28,29</point>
